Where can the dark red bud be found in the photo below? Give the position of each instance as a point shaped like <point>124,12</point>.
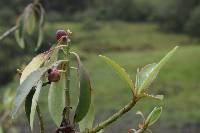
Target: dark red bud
<point>53,75</point>
<point>60,34</point>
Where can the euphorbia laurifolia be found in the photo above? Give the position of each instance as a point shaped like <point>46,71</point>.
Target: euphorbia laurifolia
<point>53,67</point>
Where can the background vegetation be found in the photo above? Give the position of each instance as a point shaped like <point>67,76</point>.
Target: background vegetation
<point>133,33</point>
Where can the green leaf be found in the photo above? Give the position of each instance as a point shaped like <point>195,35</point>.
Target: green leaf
<point>19,33</point>
<point>41,26</point>
<point>56,100</point>
<point>85,93</point>
<point>87,122</point>
<point>35,102</point>
<point>31,103</point>
<point>101,131</point>
<point>40,38</point>
<point>147,75</point>
<point>144,73</point>
<point>35,64</point>
<point>120,71</point>
<point>56,96</point>
<point>158,97</point>
<point>30,23</point>
<point>153,116</point>
<point>26,86</point>
<point>28,103</point>
<point>54,51</point>
<point>29,18</point>
<point>1,129</point>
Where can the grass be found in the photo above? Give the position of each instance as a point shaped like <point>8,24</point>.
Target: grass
<point>133,46</point>
<point>106,37</point>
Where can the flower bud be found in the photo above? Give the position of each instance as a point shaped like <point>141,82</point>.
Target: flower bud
<point>53,75</point>
<point>60,34</point>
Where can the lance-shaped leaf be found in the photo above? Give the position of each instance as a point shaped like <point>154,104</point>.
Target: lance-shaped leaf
<point>101,131</point>
<point>29,19</point>
<point>153,116</point>
<point>144,74</point>
<point>28,103</point>
<point>85,92</point>
<point>26,86</point>
<point>1,129</point>
<point>120,71</point>
<point>53,55</point>
<point>56,94</point>
<point>56,100</point>
<point>158,97</point>
<point>30,24</point>
<point>19,33</point>
<point>87,121</point>
<point>47,58</point>
<point>35,64</point>
<point>31,103</point>
<point>147,75</point>
<point>41,27</point>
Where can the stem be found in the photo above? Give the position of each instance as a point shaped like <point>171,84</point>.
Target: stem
<point>67,89</point>
<point>142,130</point>
<point>145,128</point>
<point>114,117</point>
<point>41,123</point>
<point>8,32</point>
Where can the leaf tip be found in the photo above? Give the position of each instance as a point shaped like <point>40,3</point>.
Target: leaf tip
<point>101,56</point>
<point>160,97</point>
<point>175,48</point>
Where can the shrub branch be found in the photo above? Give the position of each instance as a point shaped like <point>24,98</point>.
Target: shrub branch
<point>67,89</point>
<point>115,116</point>
<point>8,32</point>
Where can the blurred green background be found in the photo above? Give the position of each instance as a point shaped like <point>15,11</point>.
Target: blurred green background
<point>133,33</point>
